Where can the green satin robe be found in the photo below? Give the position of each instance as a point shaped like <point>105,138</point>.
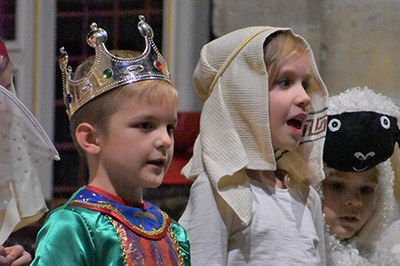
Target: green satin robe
<point>74,235</point>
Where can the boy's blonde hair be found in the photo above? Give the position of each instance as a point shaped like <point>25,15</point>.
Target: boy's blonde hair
<point>98,111</point>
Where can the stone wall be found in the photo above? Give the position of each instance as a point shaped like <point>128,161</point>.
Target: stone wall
<point>355,42</point>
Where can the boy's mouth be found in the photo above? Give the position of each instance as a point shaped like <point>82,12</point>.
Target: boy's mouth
<point>157,162</point>
<point>350,218</point>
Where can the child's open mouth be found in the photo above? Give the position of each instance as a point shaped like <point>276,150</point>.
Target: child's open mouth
<point>295,123</point>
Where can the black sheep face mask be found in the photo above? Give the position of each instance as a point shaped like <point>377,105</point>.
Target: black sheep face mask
<point>358,141</point>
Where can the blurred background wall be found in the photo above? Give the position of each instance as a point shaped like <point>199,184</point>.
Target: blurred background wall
<point>356,42</point>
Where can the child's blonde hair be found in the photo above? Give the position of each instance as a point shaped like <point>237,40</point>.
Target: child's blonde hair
<point>98,111</point>
<point>278,50</point>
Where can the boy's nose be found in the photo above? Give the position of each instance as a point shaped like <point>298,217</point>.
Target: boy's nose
<point>353,201</point>
<point>164,139</point>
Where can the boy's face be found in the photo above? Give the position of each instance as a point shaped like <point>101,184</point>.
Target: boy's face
<point>138,147</point>
<point>349,201</point>
<point>288,101</point>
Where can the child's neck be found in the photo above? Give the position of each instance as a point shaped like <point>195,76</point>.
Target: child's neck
<point>270,178</point>
<point>115,197</point>
<point>132,198</point>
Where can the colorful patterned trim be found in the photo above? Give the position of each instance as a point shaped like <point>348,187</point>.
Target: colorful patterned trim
<point>123,240</point>
<point>141,251</point>
<point>149,222</point>
<point>178,250</point>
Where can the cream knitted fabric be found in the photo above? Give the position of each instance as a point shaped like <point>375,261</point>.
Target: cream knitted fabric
<point>234,125</point>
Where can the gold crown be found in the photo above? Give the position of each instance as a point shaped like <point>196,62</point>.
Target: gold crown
<point>109,71</point>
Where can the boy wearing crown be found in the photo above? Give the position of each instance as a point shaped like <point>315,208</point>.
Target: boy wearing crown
<point>123,113</point>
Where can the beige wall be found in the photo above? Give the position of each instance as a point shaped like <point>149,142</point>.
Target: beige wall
<point>356,42</point>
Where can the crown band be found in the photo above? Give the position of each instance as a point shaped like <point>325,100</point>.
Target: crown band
<point>109,71</point>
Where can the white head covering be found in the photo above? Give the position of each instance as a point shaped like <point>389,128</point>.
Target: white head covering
<point>232,79</point>
<point>23,146</point>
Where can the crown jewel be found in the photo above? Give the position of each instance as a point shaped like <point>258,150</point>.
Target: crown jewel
<point>109,71</point>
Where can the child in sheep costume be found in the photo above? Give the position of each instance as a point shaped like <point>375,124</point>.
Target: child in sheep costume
<point>363,128</point>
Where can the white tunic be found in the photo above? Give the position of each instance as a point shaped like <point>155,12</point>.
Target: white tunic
<point>284,229</point>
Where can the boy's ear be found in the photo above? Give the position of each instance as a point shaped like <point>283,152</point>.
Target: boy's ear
<point>88,138</point>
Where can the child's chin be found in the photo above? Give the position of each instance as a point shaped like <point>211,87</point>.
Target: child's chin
<point>292,146</point>
<point>155,183</point>
<point>343,234</point>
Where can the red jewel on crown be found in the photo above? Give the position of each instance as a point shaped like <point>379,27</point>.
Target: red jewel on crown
<point>158,65</point>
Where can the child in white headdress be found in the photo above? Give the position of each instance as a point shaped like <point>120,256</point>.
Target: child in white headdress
<point>259,148</point>
<point>359,192</point>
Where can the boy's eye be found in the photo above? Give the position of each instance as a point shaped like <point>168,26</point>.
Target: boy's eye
<point>366,190</point>
<point>145,126</point>
<point>171,129</point>
<point>336,187</point>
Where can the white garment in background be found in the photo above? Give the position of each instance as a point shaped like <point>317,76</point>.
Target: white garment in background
<point>24,145</point>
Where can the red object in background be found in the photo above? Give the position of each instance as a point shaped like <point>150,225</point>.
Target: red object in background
<point>3,49</point>
<point>185,136</point>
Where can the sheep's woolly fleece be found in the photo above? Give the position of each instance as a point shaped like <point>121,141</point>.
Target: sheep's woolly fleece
<point>363,99</point>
